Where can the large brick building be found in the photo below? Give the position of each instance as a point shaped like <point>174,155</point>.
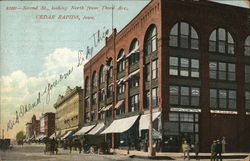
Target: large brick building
<point>47,124</point>
<point>189,61</point>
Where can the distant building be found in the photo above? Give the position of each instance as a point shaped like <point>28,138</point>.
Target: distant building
<point>47,124</point>
<point>29,131</point>
<point>42,124</point>
<point>35,126</point>
<point>69,111</point>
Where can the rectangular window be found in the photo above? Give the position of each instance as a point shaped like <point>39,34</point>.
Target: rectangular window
<point>232,99</point>
<point>147,72</point>
<point>213,98</point>
<point>147,94</point>
<point>185,96</point>
<point>154,43</point>
<point>213,70</point>
<point>134,103</point>
<point>134,82</point>
<point>102,95</point>
<point>155,69</point>
<point>194,68</point>
<point>222,71</point>
<point>121,88</point>
<point>174,95</point>
<point>195,96</point>
<point>154,97</point>
<point>173,70</point>
<point>247,100</point>
<point>222,99</point>
<point>231,72</point>
<point>225,71</point>
<point>110,90</point>
<point>247,73</point>
<point>184,67</point>
<point>94,98</point>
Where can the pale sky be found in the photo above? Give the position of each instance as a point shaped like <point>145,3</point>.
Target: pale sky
<point>34,51</point>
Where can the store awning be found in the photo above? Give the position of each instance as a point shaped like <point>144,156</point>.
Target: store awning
<point>68,134</point>
<point>135,50</point>
<point>121,125</point>
<point>97,129</point>
<point>84,130</point>
<point>133,73</point>
<point>106,108</point>
<point>144,120</point>
<point>119,103</point>
<point>53,136</point>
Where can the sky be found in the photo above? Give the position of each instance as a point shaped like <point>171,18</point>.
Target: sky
<point>40,41</point>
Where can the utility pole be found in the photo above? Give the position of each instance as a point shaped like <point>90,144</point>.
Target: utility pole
<point>150,138</point>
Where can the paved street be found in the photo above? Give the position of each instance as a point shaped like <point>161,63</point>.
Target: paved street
<point>34,152</point>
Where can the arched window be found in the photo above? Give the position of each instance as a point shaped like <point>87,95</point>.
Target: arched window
<point>101,75</point>
<point>221,41</point>
<point>183,35</point>
<point>151,40</point>
<point>247,46</point>
<point>134,52</point>
<point>94,80</point>
<point>87,85</point>
<point>110,69</point>
<point>121,61</point>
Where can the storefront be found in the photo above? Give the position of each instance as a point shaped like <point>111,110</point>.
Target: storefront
<point>126,132</point>
<point>181,126</point>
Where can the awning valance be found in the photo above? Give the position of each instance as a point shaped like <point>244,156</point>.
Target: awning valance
<point>133,73</point>
<point>53,136</point>
<point>121,125</point>
<point>119,103</point>
<point>144,120</point>
<point>84,130</point>
<point>135,50</point>
<point>120,58</point>
<point>97,129</point>
<point>68,134</point>
<point>121,80</point>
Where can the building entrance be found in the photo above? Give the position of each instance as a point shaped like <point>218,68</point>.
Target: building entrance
<point>180,127</point>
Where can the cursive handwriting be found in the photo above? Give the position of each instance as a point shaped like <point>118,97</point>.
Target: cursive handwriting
<point>23,109</point>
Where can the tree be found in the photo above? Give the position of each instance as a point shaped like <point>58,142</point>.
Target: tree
<point>20,136</point>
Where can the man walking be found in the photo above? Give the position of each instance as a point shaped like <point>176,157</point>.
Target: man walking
<point>213,151</point>
<point>218,150</point>
<point>185,149</point>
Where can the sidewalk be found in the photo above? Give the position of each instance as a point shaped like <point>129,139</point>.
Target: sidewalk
<point>179,156</point>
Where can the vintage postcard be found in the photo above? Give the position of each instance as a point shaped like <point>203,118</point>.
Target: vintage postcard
<point>125,80</point>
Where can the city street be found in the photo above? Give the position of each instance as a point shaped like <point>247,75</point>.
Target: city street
<point>34,152</point>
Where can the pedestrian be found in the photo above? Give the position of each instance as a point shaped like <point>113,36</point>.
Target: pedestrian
<point>218,150</point>
<point>70,146</point>
<point>213,152</point>
<point>79,146</point>
<point>223,142</point>
<point>186,149</point>
<point>197,150</point>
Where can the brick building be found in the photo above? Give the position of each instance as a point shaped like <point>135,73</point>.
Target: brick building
<point>189,61</point>
<point>35,126</point>
<point>47,124</point>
